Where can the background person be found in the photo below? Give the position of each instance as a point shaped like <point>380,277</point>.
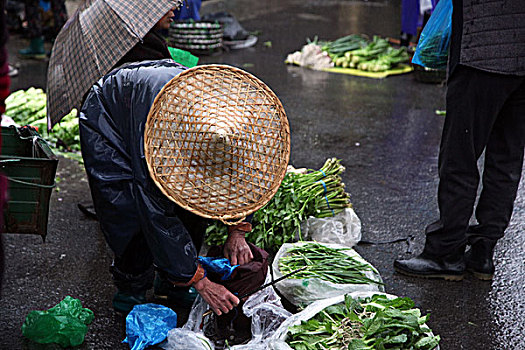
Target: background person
<point>35,30</point>
<point>414,14</point>
<point>485,112</point>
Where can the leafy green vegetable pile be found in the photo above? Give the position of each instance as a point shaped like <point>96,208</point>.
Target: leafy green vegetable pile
<point>28,107</point>
<point>376,56</point>
<point>329,264</point>
<point>374,323</point>
<point>318,193</point>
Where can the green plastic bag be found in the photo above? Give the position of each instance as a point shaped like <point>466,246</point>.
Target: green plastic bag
<point>183,57</point>
<point>64,324</point>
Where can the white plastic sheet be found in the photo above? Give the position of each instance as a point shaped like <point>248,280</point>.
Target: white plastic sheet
<point>344,228</point>
<point>302,292</point>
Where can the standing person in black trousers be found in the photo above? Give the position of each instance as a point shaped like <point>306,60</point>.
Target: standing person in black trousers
<point>485,112</point>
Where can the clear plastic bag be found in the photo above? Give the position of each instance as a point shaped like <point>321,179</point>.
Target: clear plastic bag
<point>267,313</point>
<point>278,341</point>
<point>434,42</point>
<point>302,292</point>
<point>344,228</point>
<point>180,338</point>
<point>264,308</point>
<point>198,309</point>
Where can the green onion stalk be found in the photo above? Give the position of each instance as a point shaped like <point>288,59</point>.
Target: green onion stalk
<point>326,263</point>
<point>318,193</point>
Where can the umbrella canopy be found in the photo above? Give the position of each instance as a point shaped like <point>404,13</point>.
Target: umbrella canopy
<point>92,41</point>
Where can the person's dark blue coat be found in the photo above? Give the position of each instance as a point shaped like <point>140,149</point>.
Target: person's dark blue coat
<point>127,201</point>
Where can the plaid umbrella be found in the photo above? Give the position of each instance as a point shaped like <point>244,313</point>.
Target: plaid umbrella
<point>92,41</point>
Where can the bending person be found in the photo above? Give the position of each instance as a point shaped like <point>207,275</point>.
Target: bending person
<point>142,226</point>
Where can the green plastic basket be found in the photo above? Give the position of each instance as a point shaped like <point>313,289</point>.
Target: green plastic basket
<point>30,167</point>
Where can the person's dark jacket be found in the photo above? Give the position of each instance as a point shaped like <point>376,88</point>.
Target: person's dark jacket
<point>152,47</point>
<point>492,35</point>
<point>126,199</point>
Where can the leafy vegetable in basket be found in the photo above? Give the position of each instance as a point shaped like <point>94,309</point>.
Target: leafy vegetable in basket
<point>329,264</point>
<point>373,323</point>
<point>28,107</point>
<point>318,193</point>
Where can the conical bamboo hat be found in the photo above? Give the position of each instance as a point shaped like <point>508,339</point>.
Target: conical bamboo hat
<point>217,142</point>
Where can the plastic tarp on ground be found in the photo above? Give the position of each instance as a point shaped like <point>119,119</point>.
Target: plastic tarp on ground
<point>64,324</point>
<point>126,199</point>
<point>400,69</point>
<point>148,325</point>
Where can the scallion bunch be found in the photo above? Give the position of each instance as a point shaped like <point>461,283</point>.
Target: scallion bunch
<point>326,263</point>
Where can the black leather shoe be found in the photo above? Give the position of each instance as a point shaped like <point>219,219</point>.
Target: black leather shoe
<point>479,259</point>
<point>451,267</point>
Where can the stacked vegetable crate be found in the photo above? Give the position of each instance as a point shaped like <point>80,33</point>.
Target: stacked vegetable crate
<point>202,36</point>
<point>28,107</point>
<point>30,167</point>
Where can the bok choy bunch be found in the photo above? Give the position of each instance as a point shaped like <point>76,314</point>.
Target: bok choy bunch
<point>372,323</point>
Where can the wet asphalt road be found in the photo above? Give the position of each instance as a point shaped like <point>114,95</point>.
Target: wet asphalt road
<point>385,131</point>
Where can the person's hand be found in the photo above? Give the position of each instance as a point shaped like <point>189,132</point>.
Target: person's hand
<point>220,299</point>
<point>236,249</point>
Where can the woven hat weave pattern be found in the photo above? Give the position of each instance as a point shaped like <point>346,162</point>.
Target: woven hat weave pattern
<point>217,142</point>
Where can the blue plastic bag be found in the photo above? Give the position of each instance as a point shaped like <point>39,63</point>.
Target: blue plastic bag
<point>45,5</point>
<point>148,324</point>
<point>220,266</point>
<point>434,42</point>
